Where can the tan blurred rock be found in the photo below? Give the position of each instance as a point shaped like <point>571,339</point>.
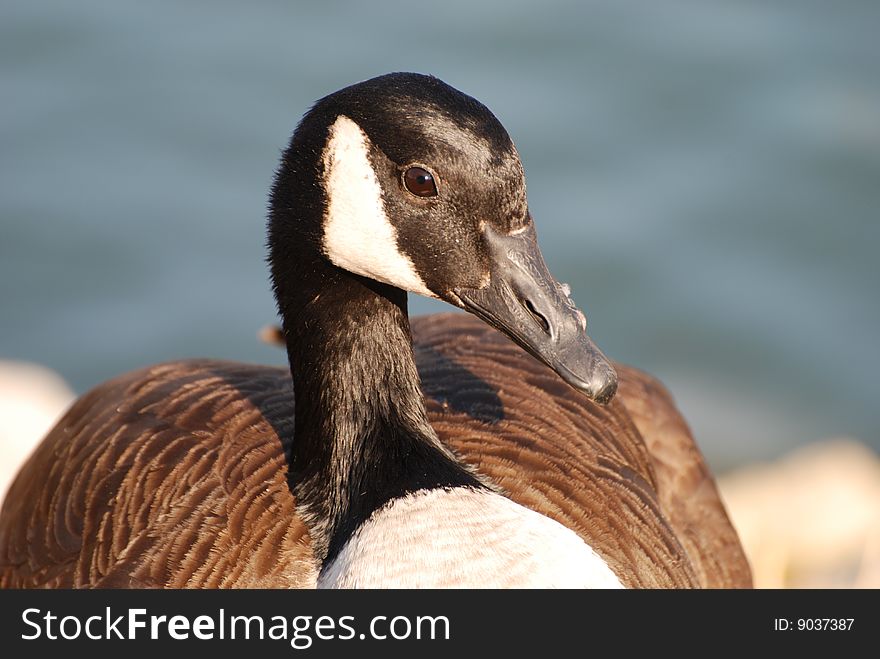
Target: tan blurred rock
<point>811,519</point>
<point>32,398</point>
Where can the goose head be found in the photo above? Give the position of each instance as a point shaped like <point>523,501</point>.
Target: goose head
<point>406,181</point>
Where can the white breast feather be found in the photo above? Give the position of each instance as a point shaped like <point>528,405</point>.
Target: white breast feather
<point>463,538</point>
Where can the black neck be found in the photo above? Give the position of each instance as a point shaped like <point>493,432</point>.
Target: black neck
<point>362,432</point>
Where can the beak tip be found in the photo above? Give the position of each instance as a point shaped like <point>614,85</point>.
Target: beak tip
<point>600,388</point>
<point>605,389</point>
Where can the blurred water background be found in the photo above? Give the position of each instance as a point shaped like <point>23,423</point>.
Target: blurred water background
<point>705,175</point>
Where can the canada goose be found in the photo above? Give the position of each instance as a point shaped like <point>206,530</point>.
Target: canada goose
<point>455,459</point>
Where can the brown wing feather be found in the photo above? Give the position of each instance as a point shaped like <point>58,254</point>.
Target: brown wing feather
<point>548,447</point>
<point>175,476</point>
<point>685,486</point>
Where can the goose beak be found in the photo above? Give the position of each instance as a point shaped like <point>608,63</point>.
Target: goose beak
<point>523,300</point>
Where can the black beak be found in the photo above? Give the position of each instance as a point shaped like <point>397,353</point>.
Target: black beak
<point>524,301</point>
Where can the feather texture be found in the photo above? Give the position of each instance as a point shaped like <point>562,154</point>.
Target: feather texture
<point>176,475</point>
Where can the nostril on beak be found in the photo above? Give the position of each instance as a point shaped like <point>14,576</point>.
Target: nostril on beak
<point>539,318</point>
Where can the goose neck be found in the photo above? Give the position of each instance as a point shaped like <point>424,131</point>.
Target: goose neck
<point>362,436</point>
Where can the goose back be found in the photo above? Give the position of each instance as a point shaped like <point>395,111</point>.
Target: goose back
<point>176,475</point>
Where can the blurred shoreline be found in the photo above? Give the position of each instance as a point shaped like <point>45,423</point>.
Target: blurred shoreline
<point>32,399</point>
<point>810,519</point>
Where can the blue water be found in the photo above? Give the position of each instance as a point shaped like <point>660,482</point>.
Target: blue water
<point>705,175</point>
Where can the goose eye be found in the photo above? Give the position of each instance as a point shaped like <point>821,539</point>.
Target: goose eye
<point>420,182</point>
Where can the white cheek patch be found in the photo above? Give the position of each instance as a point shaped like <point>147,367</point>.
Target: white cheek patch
<point>358,235</point>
